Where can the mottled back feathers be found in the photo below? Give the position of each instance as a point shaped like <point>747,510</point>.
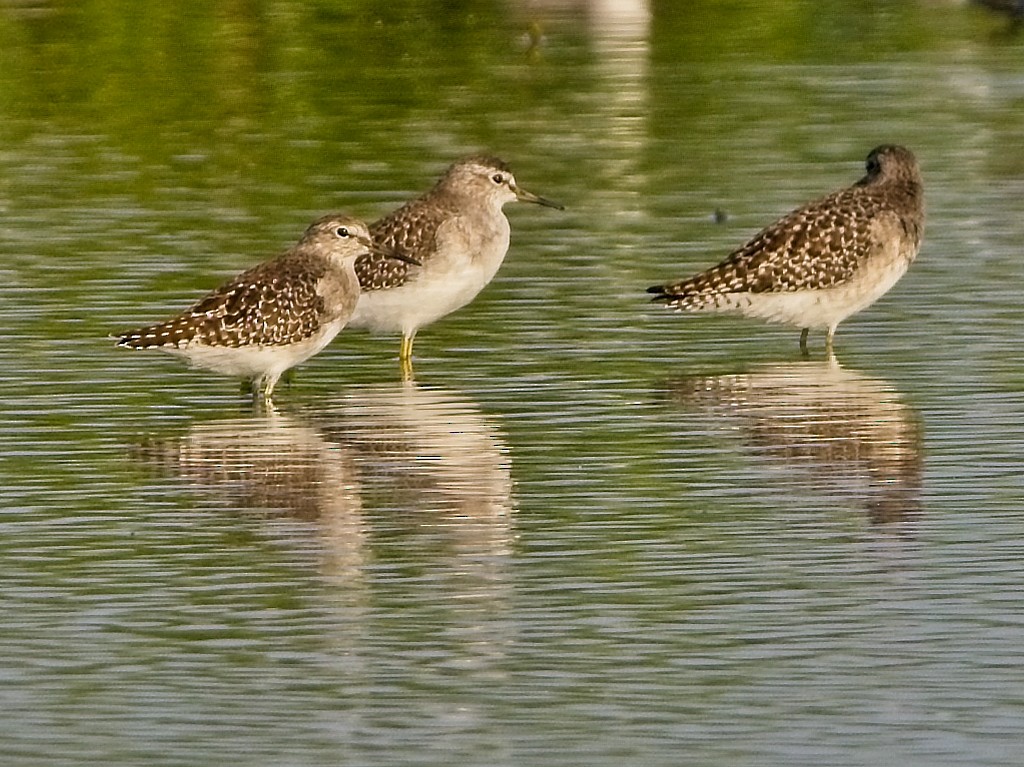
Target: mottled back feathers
<point>412,229</point>
<point>270,304</point>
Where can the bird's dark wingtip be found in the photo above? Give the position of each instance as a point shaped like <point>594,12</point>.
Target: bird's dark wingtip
<point>660,294</point>
<point>124,340</point>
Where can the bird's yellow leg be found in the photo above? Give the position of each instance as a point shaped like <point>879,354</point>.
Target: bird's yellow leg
<point>405,357</point>
<point>407,374</point>
<point>269,389</point>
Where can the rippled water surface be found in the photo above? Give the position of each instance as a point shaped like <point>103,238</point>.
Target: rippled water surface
<point>589,531</point>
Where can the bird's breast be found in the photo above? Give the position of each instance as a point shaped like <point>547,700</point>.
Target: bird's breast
<point>476,242</point>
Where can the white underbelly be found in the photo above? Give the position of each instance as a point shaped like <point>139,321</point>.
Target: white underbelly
<point>421,301</point>
<point>816,309</point>
<point>255,360</point>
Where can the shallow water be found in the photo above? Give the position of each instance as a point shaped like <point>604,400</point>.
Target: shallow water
<point>591,531</point>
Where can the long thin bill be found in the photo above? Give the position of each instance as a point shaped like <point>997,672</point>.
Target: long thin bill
<point>523,196</point>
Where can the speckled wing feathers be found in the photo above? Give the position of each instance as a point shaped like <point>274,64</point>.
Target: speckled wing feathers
<point>271,304</point>
<point>816,247</point>
<point>410,230</point>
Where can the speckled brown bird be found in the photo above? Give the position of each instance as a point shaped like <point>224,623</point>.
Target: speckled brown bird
<point>459,234</point>
<point>822,262</point>
<point>275,315</point>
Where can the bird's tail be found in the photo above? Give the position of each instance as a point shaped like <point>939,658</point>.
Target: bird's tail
<point>142,338</point>
<point>695,294</point>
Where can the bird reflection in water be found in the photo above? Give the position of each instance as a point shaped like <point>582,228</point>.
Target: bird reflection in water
<point>432,458</point>
<point>437,488</point>
<point>408,493</point>
<point>277,467</point>
<point>851,434</point>
<point>373,463</point>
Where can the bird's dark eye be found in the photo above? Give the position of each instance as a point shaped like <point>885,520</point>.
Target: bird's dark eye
<point>497,178</point>
<point>341,231</point>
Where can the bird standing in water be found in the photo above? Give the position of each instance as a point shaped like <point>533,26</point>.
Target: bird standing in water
<point>275,315</point>
<point>823,262</point>
<point>459,234</point>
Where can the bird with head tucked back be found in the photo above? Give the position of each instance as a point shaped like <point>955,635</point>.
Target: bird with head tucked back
<point>459,234</point>
<point>823,262</point>
<point>274,315</point>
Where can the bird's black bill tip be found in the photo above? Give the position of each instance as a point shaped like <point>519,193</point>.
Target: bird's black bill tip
<point>549,203</point>
<point>399,256</point>
<point>523,196</point>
